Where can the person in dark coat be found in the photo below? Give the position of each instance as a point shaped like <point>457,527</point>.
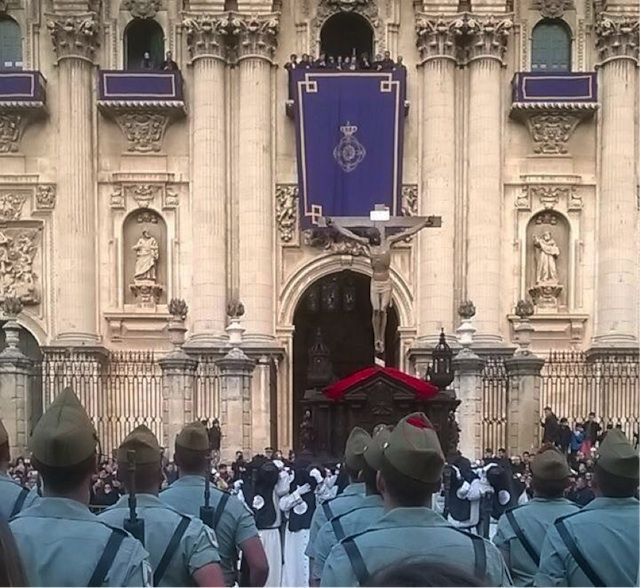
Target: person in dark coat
<point>564,436</point>
<point>591,433</point>
<point>550,426</point>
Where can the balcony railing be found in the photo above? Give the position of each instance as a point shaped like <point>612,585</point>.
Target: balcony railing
<point>21,89</point>
<point>553,90</point>
<point>140,89</point>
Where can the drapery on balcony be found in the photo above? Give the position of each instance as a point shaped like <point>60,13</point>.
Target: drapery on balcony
<point>22,99</point>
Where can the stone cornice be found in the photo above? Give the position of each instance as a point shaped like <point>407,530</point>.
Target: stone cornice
<point>207,35</point>
<point>485,37</point>
<point>436,37</point>
<point>617,37</point>
<point>75,35</point>
<point>256,35</point>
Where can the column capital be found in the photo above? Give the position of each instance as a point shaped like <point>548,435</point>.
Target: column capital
<point>74,35</point>
<point>257,35</point>
<point>207,35</point>
<point>436,37</point>
<point>617,37</point>
<point>485,37</point>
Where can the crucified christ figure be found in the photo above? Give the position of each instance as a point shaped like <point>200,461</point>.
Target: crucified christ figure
<point>378,245</point>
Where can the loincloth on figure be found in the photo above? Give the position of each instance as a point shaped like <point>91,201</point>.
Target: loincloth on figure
<point>380,286</point>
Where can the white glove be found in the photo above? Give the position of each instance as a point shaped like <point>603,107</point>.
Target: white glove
<point>316,475</point>
<point>304,489</point>
<point>279,464</point>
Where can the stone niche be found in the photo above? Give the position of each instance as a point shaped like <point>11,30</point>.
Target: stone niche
<point>144,259</point>
<point>547,261</point>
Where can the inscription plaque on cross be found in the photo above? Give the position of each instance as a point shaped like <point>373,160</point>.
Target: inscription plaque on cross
<point>382,231</point>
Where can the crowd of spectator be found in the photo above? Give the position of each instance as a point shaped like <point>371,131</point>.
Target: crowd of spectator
<point>353,62</point>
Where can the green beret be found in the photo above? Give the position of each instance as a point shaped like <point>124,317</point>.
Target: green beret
<point>617,456</point>
<point>550,464</point>
<point>413,449</point>
<point>193,436</point>
<point>373,452</point>
<point>354,449</point>
<point>4,436</point>
<point>144,445</point>
<point>64,436</point>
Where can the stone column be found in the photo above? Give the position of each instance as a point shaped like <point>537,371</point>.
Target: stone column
<point>15,374</point>
<point>261,405</point>
<point>257,39</point>
<point>616,321</point>
<point>235,403</point>
<point>468,368</point>
<point>178,386</point>
<point>486,44</point>
<point>435,305</point>
<point>206,40</point>
<point>75,39</point>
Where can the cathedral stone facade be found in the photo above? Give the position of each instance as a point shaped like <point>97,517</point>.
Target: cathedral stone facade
<point>126,182</point>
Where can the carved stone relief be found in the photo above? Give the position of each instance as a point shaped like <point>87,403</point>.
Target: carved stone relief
<point>45,197</point>
<point>206,34</point>
<point>74,35</point>
<point>11,126</point>
<point>485,36</point>
<point>551,130</point>
<point>11,203</point>
<point>409,200</point>
<point>18,278</point>
<point>553,8</point>
<point>144,194</point>
<point>617,36</point>
<point>142,8</point>
<point>255,34</point>
<point>286,211</point>
<point>436,37</point>
<point>144,131</point>
<point>330,240</point>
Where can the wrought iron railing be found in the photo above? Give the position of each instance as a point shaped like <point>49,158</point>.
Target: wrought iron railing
<point>495,395</point>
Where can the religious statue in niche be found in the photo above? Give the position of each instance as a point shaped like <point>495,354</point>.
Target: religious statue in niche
<point>145,287</point>
<point>547,289</point>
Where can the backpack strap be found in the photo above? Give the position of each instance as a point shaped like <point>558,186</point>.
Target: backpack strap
<point>327,510</point>
<point>583,564</point>
<point>337,528</point>
<point>17,507</point>
<point>479,553</point>
<point>356,560</point>
<point>517,529</point>
<point>106,559</point>
<point>220,509</point>
<point>170,550</point>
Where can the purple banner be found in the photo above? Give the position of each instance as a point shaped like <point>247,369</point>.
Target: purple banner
<point>139,85</point>
<point>350,128</point>
<point>555,87</point>
<point>21,86</point>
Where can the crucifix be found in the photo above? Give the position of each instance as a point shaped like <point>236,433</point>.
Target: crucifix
<point>382,232</point>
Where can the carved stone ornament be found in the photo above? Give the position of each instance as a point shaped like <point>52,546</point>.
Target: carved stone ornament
<point>74,35</point>
<point>286,211</point>
<point>553,8</point>
<point>524,309</point>
<point>551,130</point>
<point>550,194</point>
<point>171,199</point>
<point>142,8</point>
<point>18,248</point>
<point>143,131</point>
<point>178,309</point>
<point>117,198</point>
<point>483,37</point>
<point>257,35</point>
<point>11,127</point>
<point>618,36</point>
<point>45,197</point>
<point>143,194</point>
<point>11,204</point>
<point>436,37</point>
<point>206,34</point>
<point>3,6</point>
<point>409,200</point>
<point>466,309</point>
<point>330,240</point>
<point>367,8</point>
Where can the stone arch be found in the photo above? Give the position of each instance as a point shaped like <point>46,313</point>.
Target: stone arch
<point>346,32</point>
<point>142,35</point>
<point>368,11</point>
<point>303,277</point>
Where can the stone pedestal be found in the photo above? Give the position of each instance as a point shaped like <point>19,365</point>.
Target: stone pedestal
<point>235,403</point>
<point>15,375</point>
<point>468,369</point>
<point>523,409</point>
<point>178,388</point>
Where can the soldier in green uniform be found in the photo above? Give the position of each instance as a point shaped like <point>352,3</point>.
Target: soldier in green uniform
<point>13,497</point>
<point>521,530</point>
<point>352,495</point>
<point>361,516</point>
<point>60,542</point>
<point>410,471</point>
<point>598,545</point>
<point>233,523</point>
<point>182,550</point>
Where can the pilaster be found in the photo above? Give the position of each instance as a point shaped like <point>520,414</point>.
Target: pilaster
<point>468,368</point>
<point>616,321</point>
<point>75,40</point>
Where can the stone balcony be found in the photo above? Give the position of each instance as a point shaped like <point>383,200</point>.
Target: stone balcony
<point>22,98</point>
<point>142,103</point>
<point>552,104</point>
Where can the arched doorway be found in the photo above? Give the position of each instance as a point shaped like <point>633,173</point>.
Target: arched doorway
<point>143,36</point>
<point>345,33</point>
<point>28,345</point>
<point>333,335</point>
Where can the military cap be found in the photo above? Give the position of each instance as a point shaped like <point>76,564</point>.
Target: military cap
<point>373,451</point>
<point>354,449</point>
<point>143,443</point>
<point>4,436</point>
<point>617,456</point>
<point>413,449</point>
<point>193,436</point>
<point>64,436</point>
<point>550,464</point>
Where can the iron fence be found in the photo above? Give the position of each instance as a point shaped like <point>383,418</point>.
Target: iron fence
<point>207,390</point>
<point>495,396</point>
